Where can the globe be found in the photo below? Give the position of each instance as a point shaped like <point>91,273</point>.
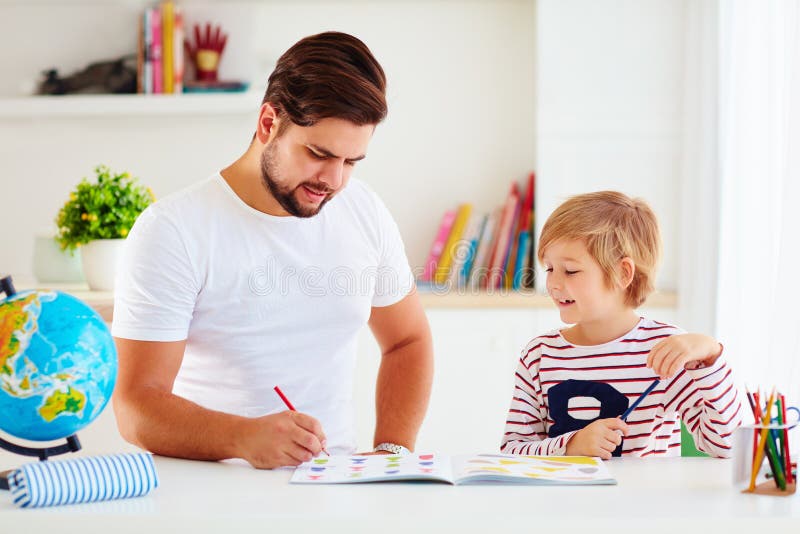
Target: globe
<point>58,365</point>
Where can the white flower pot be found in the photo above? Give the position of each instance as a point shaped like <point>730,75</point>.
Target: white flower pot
<point>53,265</point>
<point>100,259</point>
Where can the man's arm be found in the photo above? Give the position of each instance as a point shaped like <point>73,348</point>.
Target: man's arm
<point>406,371</point>
<point>150,416</point>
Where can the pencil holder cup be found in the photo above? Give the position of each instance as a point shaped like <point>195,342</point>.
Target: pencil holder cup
<point>762,461</point>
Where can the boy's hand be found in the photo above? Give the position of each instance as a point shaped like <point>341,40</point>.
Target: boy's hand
<point>683,351</point>
<point>599,438</point>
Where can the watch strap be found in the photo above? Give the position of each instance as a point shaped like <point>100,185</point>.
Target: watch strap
<point>393,448</point>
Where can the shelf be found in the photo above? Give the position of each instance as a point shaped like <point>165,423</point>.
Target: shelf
<point>517,300</point>
<point>132,105</point>
<point>103,301</point>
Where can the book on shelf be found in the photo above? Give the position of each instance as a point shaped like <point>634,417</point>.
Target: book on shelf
<point>442,271</point>
<point>462,249</point>
<point>488,236</point>
<point>523,248</point>
<point>177,50</point>
<point>472,253</point>
<point>499,256</point>
<point>456,470</point>
<point>486,250</point>
<point>438,245</point>
<point>160,50</point>
<point>157,48</point>
<point>529,279</point>
<point>511,256</point>
<point>168,28</point>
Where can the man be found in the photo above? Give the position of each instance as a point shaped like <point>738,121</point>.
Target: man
<point>244,282</point>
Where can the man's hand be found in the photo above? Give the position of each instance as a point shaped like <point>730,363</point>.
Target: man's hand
<point>599,438</point>
<point>683,351</point>
<point>281,439</point>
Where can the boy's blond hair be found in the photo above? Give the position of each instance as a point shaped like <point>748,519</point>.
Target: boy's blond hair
<point>612,226</point>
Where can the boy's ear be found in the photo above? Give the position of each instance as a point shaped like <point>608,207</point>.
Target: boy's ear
<point>626,271</point>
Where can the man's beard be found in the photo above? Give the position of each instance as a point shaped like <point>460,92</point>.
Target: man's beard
<point>286,195</point>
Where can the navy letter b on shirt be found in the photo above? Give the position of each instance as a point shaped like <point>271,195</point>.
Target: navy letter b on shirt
<point>612,404</point>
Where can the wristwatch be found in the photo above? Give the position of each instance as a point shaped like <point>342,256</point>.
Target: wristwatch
<point>394,448</point>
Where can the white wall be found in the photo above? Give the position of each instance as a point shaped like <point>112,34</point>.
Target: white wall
<point>609,81</point>
<point>461,97</point>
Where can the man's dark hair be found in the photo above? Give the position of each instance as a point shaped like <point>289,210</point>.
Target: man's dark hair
<point>330,74</point>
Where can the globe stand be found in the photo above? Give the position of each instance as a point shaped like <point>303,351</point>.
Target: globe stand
<point>72,445</point>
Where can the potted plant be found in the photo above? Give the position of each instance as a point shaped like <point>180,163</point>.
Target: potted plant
<point>97,218</point>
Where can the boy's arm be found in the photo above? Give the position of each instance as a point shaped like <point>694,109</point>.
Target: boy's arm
<point>709,405</point>
<point>525,430</point>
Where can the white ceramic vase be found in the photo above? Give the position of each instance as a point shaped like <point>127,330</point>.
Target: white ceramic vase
<point>100,259</point>
<point>53,265</point>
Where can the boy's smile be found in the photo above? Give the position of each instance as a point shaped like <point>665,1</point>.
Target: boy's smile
<point>577,284</point>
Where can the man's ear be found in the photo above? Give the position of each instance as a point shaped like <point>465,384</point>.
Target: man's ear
<point>268,122</point>
<point>626,271</point>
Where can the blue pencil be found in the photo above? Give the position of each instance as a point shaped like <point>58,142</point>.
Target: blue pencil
<point>638,401</point>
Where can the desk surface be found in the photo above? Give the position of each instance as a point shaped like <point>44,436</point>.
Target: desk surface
<point>655,495</point>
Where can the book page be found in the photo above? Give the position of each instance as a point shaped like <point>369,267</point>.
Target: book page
<point>374,468</point>
<point>544,470</point>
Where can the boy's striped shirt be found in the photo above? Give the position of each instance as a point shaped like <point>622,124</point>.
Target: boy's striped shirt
<point>705,398</point>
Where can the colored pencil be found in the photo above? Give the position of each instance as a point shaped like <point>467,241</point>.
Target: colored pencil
<point>755,418</point>
<point>762,442</point>
<point>636,403</point>
<point>777,433</point>
<point>289,405</point>
<point>786,458</point>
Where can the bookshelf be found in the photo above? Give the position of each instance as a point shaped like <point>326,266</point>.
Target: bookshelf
<point>78,106</point>
<point>103,301</point>
<point>517,300</point>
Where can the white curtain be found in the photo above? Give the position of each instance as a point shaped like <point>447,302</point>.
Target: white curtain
<point>758,287</point>
<point>699,215</point>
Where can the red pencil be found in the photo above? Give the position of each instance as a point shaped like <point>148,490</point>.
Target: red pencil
<point>289,405</point>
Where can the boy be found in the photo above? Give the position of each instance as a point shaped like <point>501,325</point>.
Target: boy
<point>600,252</point>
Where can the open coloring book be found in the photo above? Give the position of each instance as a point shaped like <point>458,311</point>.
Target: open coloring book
<point>479,469</point>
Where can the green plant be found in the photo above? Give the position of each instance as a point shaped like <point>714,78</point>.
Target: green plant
<point>103,209</point>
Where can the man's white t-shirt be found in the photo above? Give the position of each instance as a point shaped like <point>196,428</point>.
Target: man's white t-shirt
<point>262,301</point>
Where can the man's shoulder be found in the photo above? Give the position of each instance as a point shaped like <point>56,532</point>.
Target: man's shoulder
<point>188,203</point>
<point>177,211</point>
<point>204,191</point>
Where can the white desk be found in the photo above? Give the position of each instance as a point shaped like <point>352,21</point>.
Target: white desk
<point>653,496</point>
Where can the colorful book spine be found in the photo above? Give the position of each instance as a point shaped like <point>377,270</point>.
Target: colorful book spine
<point>513,241</point>
<point>442,271</point>
<point>469,261</point>
<point>438,245</point>
<point>147,70</point>
<point>520,268</point>
<point>477,275</point>
<point>157,57</point>
<point>177,51</point>
<point>140,56</point>
<point>501,250</point>
<point>168,26</point>
<point>530,279</point>
<point>462,250</point>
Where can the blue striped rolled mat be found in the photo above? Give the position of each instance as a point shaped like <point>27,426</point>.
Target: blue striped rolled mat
<point>79,480</point>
